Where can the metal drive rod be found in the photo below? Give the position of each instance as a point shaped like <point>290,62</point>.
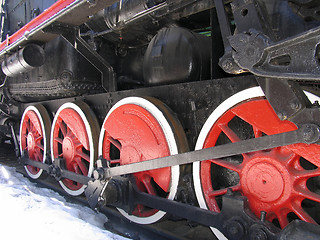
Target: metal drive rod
<point>25,160</point>
<point>56,172</point>
<point>306,134</point>
<point>227,223</point>
<point>232,206</point>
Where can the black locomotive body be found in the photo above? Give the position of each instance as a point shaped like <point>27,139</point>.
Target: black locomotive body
<point>135,103</point>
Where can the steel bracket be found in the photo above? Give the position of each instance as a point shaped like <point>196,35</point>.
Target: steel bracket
<point>294,58</point>
<point>72,35</point>
<point>289,101</point>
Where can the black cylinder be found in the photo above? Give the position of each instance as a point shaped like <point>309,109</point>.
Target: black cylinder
<point>29,57</point>
<point>175,55</point>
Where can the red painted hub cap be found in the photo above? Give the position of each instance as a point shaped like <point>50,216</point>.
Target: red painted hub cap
<point>71,142</point>
<point>132,134</point>
<point>32,139</point>
<point>284,181</point>
<point>263,180</point>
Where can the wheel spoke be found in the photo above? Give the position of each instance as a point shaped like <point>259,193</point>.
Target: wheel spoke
<point>147,184</point>
<point>223,191</point>
<point>62,127</point>
<point>222,163</point>
<point>302,214</point>
<point>59,140</point>
<point>83,155</point>
<point>306,174</point>
<point>293,161</point>
<point>114,142</point>
<point>76,168</point>
<point>309,152</point>
<point>306,194</point>
<point>229,132</point>
<point>31,127</point>
<point>139,208</point>
<point>68,182</point>
<point>282,218</point>
<point>27,125</point>
<point>38,155</point>
<point>70,133</point>
<point>35,156</point>
<point>83,168</point>
<point>40,146</point>
<point>257,132</point>
<point>114,161</point>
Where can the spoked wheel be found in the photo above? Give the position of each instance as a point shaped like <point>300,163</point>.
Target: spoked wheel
<point>138,129</point>
<point>74,138</point>
<point>283,181</point>
<point>34,136</point>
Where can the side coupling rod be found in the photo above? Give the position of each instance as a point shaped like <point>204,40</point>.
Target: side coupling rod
<point>308,133</point>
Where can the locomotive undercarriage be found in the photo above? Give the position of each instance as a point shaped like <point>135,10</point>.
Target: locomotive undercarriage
<point>255,169</point>
<point>105,188</point>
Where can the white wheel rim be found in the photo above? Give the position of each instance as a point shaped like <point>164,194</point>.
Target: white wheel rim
<point>235,99</point>
<point>36,111</point>
<point>169,135</point>
<point>91,145</point>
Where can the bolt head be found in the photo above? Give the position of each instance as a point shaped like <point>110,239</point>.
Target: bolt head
<point>259,235</point>
<point>235,229</point>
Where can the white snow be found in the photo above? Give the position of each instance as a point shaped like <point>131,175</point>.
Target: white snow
<point>24,206</point>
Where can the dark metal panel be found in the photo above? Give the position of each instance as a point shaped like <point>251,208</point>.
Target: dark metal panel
<point>20,12</point>
<point>191,102</point>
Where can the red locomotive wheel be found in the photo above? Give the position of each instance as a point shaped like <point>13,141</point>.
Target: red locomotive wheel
<point>74,139</point>
<point>135,130</point>
<point>34,136</point>
<point>283,181</point>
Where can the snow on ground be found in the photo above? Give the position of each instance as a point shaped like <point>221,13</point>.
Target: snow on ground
<point>24,206</point>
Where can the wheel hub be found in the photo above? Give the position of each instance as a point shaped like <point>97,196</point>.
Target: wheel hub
<point>68,149</point>
<point>30,142</point>
<point>264,179</point>
<point>129,155</point>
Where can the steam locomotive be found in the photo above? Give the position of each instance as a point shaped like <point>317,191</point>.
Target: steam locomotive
<point>204,109</point>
